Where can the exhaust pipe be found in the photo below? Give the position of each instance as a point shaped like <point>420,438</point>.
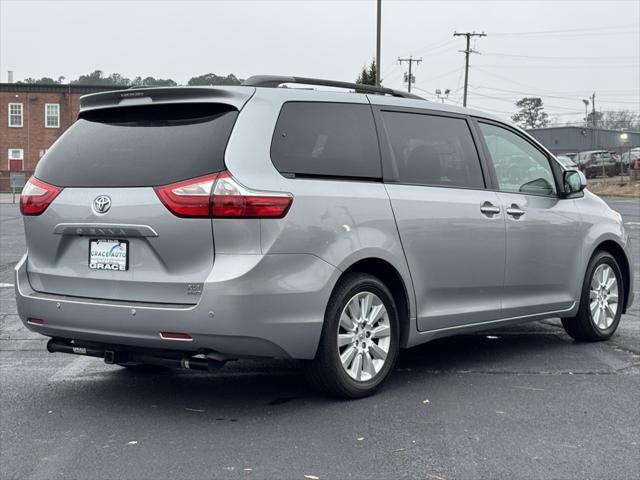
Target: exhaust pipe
<point>110,356</point>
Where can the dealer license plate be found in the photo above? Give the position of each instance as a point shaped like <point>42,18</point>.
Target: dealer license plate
<point>109,254</point>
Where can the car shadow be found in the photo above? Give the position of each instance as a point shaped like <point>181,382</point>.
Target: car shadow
<point>254,387</point>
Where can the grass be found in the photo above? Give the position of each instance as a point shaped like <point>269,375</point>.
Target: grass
<point>612,188</point>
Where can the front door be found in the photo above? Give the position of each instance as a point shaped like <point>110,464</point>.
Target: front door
<point>543,244</point>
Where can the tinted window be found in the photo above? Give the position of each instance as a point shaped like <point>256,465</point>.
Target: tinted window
<point>327,139</point>
<point>520,167</point>
<point>433,150</point>
<point>139,146</point>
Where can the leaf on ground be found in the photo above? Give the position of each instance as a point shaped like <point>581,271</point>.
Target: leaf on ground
<point>360,439</point>
<point>311,477</point>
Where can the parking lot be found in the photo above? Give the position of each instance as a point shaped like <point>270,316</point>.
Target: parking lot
<point>524,401</point>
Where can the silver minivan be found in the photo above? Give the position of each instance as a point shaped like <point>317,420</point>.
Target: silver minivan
<point>189,226</point>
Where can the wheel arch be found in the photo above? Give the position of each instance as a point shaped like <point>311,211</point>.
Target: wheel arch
<point>391,277</point>
<point>616,251</point>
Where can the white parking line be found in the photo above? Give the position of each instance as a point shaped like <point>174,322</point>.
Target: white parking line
<point>6,285</point>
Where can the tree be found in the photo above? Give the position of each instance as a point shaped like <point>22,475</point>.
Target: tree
<point>213,79</point>
<point>94,78</point>
<point>97,77</point>
<point>368,74</point>
<point>594,119</point>
<point>531,113</point>
<point>619,120</point>
<point>153,82</point>
<point>43,80</point>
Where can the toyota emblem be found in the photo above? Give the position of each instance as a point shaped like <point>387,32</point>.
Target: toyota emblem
<point>101,204</point>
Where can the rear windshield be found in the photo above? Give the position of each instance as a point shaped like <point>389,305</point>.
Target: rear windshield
<point>140,146</point>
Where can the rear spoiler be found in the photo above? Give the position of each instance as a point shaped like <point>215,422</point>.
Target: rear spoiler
<point>234,96</point>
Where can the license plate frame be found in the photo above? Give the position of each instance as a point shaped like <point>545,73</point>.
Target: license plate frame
<point>108,263</point>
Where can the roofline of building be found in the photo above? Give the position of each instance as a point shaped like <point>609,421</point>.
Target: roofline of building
<point>57,87</point>
<point>565,127</point>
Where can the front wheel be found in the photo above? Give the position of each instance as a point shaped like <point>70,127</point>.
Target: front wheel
<point>359,342</point>
<point>601,302</point>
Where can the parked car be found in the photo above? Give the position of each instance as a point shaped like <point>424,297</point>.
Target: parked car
<point>567,162</point>
<point>190,226</point>
<point>620,167</point>
<point>597,163</point>
<point>631,158</point>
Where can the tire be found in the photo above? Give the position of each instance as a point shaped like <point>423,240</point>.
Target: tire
<point>598,324</point>
<point>326,372</point>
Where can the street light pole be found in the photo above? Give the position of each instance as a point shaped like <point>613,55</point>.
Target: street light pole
<point>625,138</point>
<point>378,29</point>
<point>586,112</point>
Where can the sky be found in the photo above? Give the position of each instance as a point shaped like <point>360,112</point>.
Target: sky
<point>561,51</point>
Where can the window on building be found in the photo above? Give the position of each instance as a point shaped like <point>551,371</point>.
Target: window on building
<point>52,115</point>
<point>15,115</point>
<point>16,159</point>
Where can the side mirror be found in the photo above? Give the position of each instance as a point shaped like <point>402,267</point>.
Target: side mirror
<point>574,181</point>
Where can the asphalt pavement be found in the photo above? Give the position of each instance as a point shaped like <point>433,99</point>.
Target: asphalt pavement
<point>520,402</point>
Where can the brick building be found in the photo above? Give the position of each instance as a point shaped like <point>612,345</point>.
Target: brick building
<point>32,117</point>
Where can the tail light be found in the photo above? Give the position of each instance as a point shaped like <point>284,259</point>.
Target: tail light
<point>37,196</point>
<point>221,196</point>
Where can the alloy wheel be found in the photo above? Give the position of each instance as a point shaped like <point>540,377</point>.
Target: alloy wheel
<point>364,336</point>
<point>603,296</point>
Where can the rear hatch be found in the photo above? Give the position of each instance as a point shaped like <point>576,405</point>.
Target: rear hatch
<point>107,234</point>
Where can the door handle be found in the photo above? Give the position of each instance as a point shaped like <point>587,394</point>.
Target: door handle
<point>489,209</point>
<point>515,211</point>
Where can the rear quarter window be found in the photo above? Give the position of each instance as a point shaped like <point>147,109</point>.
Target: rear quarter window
<point>326,140</point>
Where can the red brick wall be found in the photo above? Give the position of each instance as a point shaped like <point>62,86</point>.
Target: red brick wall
<point>33,137</point>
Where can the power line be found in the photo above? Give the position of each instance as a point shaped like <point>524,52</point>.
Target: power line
<point>514,82</point>
<point>455,70</point>
<point>428,49</point>
<point>577,96</point>
<point>467,51</point>
<point>540,57</point>
<point>410,61</point>
<point>563,67</point>
<point>585,30</point>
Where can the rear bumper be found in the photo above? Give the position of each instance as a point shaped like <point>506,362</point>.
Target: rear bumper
<point>251,305</point>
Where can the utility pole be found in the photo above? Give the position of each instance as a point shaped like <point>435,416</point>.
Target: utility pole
<point>467,51</point>
<point>410,61</point>
<point>378,29</point>
<point>594,120</point>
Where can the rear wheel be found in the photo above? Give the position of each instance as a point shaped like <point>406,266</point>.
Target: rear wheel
<point>601,301</point>
<point>359,342</point>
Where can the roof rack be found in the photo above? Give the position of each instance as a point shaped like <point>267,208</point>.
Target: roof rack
<point>274,81</point>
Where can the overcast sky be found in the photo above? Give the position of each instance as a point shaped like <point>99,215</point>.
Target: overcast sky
<point>560,50</point>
